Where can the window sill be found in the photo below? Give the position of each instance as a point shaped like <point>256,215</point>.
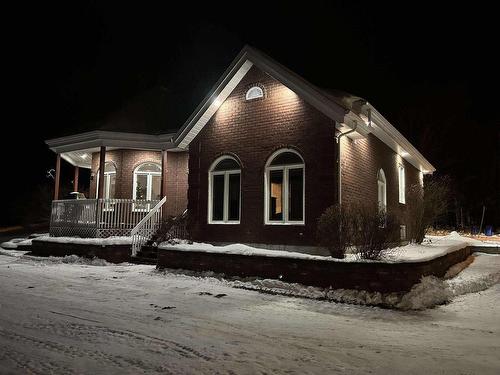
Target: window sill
<point>223,222</point>
<point>298,223</point>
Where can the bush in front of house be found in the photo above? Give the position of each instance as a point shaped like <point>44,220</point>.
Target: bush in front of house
<point>374,231</point>
<point>360,226</point>
<point>425,206</point>
<point>334,231</point>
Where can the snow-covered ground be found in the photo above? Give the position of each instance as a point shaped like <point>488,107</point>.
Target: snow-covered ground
<point>432,247</point>
<point>67,316</point>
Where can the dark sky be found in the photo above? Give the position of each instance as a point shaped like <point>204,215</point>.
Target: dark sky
<point>430,68</point>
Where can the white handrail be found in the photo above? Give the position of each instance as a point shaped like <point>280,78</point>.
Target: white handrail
<point>147,227</point>
<point>146,218</point>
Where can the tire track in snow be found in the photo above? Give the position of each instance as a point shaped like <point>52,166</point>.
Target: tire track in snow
<point>96,334</point>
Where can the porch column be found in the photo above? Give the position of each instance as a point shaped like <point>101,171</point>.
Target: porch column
<point>58,177</point>
<point>75,179</point>
<point>102,164</point>
<point>163,173</point>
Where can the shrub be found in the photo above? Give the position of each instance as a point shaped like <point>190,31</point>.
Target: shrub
<point>357,225</point>
<point>333,231</point>
<point>374,231</point>
<point>425,206</point>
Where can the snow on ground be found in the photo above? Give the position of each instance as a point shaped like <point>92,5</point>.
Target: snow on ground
<point>433,247</point>
<point>57,317</point>
<point>113,240</point>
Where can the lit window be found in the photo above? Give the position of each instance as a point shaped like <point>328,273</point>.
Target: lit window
<point>147,185</point>
<point>224,191</point>
<point>402,183</point>
<point>284,188</point>
<point>109,181</point>
<point>382,191</point>
<point>254,92</point>
<point>402,232</point>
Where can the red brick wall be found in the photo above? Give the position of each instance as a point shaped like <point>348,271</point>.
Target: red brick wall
<point>177,182</point>
<point>126,161</point>
<point>252,131</point>
<point>360,163</point>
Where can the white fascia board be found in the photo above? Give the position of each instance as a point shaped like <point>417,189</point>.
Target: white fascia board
<point>300,86</point>
<point>388,134</point>
<point>212,102</point>
<point>233,76</point>
<point>100,138</point>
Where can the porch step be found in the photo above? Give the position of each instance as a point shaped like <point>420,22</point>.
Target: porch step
<point>147,255</point>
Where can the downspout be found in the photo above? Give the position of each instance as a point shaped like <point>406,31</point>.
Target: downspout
<point>339,175</point>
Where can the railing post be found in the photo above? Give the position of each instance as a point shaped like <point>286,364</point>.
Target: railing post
<point>75,179</point>
<point>58,177</point>
<point>102,166</point>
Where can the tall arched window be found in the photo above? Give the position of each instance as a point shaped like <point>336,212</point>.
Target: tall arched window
<point>382,191</point>
<point>109,181</point>
<point>147,184</point>
<point>284,188</point>
<point>224,195</point>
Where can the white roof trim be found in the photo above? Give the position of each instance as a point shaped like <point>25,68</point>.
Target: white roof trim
<point>391,136</point>
<point>233,75</point>
<point>98,138</point>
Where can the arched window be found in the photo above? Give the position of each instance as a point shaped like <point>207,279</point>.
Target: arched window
<point>402,184</point>
<point>224,195</point>
<point>382,191</point>
<point>109,181</point>
<point>254,92</point>
<point>147,184</point>
<point>284,188</point>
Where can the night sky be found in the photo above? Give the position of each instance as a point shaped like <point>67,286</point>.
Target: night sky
<point>431,69</point>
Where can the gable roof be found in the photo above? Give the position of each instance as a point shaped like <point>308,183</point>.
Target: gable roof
<point>347,110</point>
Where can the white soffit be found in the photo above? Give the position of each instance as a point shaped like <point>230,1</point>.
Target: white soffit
<point>82,159</point>
<point>214,103</point>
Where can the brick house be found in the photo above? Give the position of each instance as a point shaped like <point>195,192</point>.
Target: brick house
<point>257,162</point>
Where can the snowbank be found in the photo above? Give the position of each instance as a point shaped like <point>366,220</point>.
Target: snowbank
<point>15,243</point>
<point>483,273</point>
<point>432,248</point>
<point>115,240</point>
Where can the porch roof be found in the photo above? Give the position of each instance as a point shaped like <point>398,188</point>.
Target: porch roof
<point>77,149</point>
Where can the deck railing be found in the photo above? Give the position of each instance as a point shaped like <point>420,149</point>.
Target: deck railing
<point>97,217</point>
<point>147,227</point>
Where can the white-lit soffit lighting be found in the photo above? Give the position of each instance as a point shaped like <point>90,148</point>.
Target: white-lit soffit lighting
<point>404,153</point>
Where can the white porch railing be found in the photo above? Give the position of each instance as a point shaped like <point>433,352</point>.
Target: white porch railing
<point>97,217</point>
<point>147,227</point>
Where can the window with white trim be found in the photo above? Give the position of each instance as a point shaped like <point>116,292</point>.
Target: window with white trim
<point>109,181</point>
<point>402,184</point>
<point>224,191</point>
<point>254,92</point>
<point>402,232</point>
<point>382,191</point>
<point>284,188</point>
<point>147,184</point>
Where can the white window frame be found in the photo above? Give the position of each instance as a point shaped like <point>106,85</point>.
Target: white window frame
<point>254,92</point>
<point>285,168</point>
<point>382,183</point>
<point>402,183</point>
<point>226,174</point>
<point>149,184</point>
<point>107,183</point>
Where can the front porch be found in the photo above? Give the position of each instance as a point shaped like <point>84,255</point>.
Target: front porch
<point>100,218</point>
<point>137,181</point>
